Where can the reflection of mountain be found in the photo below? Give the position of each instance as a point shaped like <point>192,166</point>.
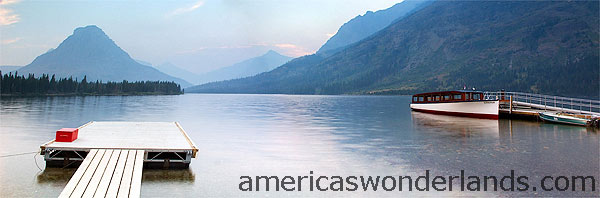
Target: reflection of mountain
<point>455,126</point>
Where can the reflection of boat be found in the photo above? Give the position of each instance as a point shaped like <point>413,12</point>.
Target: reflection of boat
<point>457,103</point>
<point>563,118</point>
<point>462,126</point>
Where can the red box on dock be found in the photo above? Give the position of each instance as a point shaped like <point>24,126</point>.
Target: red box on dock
<point>67,134</point>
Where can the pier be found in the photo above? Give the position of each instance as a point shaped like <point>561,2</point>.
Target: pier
<point>528,105</point>
<point>112,155</point>
<point>107,173</point>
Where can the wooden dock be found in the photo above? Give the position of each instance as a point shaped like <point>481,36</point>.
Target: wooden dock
<point>520,112</point>
<point>107,173</point>
<point>112,155</point>
<point>165,144</point>
<point>529,105</point>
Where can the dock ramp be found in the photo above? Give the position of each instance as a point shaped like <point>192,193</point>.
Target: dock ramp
<point>107,173</point>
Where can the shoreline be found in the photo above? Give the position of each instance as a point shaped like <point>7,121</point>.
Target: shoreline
<point>116,94</point>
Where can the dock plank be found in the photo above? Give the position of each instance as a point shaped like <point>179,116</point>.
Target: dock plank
<point>127,173</point>
<point>68,190</point>
<point>96,178</point>
<point>115,182</point>
<point>87,176</point>
<point>108,173</point>
<point>136,180</point>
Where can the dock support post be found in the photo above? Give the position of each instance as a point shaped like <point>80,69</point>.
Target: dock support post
<point>66,161</point>
<point>188,157</point>
<point>46,155</point>
<point>510,105</point>
<point>166,164</point>
<point>545,100</point>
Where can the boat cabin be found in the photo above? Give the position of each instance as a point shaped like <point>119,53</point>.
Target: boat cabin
<point>448,96</point>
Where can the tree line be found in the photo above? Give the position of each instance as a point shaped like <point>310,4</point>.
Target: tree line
<point>13,84</point>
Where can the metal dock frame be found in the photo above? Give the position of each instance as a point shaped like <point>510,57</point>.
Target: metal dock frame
<point>153,157</point>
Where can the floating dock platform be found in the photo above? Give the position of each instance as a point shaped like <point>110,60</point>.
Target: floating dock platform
<point>164,144</point>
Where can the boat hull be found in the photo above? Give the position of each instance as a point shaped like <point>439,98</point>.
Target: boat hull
<point>474,109</point>
<point>562,119</point>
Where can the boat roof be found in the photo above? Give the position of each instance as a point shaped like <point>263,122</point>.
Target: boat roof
<point>447,92</point>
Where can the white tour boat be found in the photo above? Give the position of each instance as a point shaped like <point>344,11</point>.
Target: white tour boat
<point>458,103</point>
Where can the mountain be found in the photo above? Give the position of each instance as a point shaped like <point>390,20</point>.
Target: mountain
<point>8,68</point>
<point>546,47</point>
<point>90,52</point>
<point>143,62</point>
<point>250,67</point>
<point>173,70</point>
<point>206,59</point>
<point>362,26</point>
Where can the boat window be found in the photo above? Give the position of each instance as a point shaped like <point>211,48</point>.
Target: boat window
<point>447,97</point>
<point>457,97</point>
<point>437,98</point>
<point>414,99</point>
<point>428,98</point>
<point>420,98</point>
<point>476,96</point>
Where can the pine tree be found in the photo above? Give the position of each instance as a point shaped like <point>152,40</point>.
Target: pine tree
<point>20,85</point>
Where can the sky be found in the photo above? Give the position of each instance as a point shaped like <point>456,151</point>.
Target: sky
<point>199,36</point>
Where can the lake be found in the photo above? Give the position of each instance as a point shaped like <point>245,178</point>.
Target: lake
<point>291,135</point>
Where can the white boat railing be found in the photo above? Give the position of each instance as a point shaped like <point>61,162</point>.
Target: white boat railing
<point>548,102</point>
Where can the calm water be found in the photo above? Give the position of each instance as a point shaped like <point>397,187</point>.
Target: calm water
<point>291,135</point>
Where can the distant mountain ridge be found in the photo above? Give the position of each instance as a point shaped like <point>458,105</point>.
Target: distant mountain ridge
<point>362,26</point>
<point>173,70</point>
<point>533,46</point>
<point>90,52</point>
<point>9,68</point>
<point>250,67</point>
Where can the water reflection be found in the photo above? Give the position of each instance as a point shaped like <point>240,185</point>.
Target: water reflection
<point>291,135</point>
<point>160,175</point>
<point>63,175</point>
<point>455,126</point>
<point>55,175</point>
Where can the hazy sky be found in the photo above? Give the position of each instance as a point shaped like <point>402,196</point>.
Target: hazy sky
<point>186,33</point>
